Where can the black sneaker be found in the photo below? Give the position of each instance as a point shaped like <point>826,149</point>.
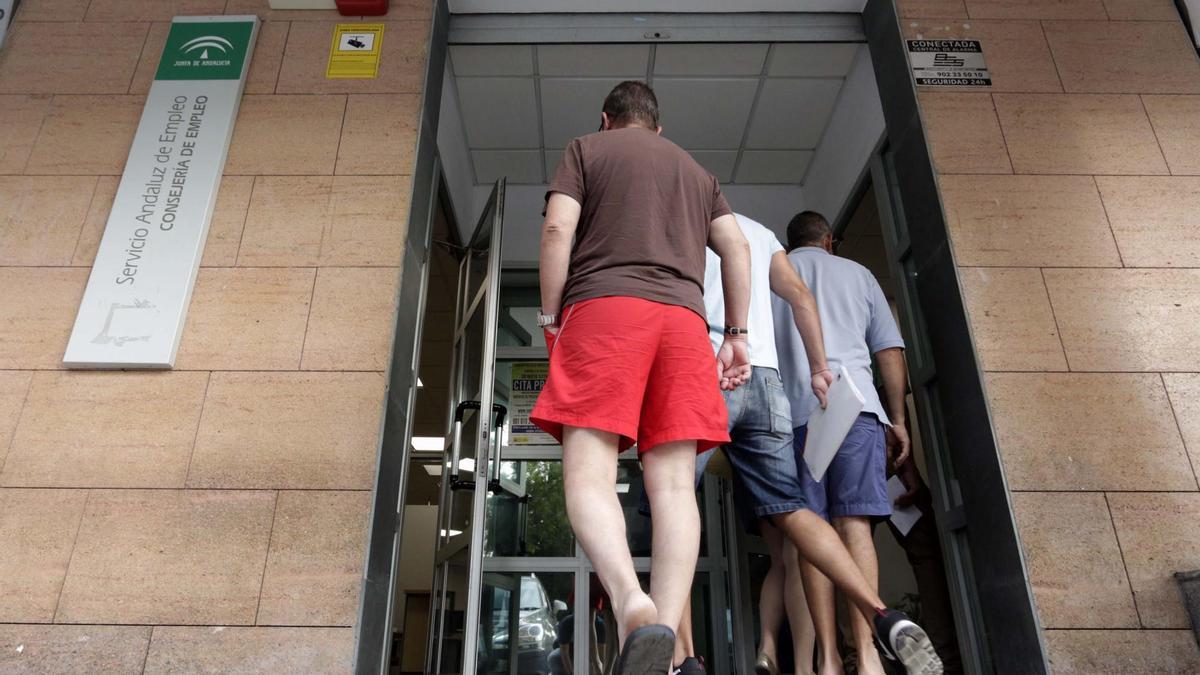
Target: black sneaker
<point>690,666</point>
<point>902,640</point>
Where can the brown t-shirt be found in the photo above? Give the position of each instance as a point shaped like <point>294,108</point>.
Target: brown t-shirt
<point>647,206</point>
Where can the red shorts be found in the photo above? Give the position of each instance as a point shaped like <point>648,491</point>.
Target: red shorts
<point>640,369</point>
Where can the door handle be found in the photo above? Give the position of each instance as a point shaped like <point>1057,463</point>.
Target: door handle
<point>501,413</point>
<point>460,413</point>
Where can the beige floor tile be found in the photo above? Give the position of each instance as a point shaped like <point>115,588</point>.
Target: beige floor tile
<point>1158,535</point>
<point>315,651</point>
<point>87,58</point>
<point>264,12</point>
<point>268,57</point>
<point>34,334</point>
<point>1038,221</point>
<point>380,135</point>
<point>340,220</point>
<point>1176,121</point>
<point>98,429</point>
<point>22,115</point>
<point>1011,319</point>
<point>1079,134</point>
<point>1127,320</point>
<point>1122,57</point>
<point>168,556</point>
<point>1016,51</point>
<point>1074,561</point>
<point>1184,390</point>
<point>41,217</point>
<point>150,10</point>
<point>932,9</point>
<point>964,133</point>
<point>1036,9</point>
<point>86,135</point>
<point>289,430</point>
<point>286,135</point>
<point>95,221</point>
<point>38,530</point>
<point>401,60</point>
<point>353,315</point>
<point>1141,10</point>
<point>314,567</point>
<point>14,385</point>
<point>246,319</point>
<point>1072,431</point>
<point>1087,652</point>
<point>51,10</point>
<point>1154,219</point>
<point>40,650</point>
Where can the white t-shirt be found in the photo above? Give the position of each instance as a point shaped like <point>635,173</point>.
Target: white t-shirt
<point>761,324</point>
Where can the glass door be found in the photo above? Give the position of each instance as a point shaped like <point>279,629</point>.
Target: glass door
<point>470,465</point>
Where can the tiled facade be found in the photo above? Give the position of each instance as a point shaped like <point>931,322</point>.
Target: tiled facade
<point>212,518</point>
<point>1070,190</point>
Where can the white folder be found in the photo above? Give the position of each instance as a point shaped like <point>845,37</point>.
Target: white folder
<point>828,427</point>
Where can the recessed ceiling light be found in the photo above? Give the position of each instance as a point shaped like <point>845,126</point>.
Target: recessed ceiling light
<point>429,443</point>
<point>622,488</point>
<point>434,470</point>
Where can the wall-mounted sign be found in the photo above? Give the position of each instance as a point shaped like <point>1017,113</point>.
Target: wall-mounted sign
<point>354,54</point>
<point>948,63</point>
<point>527,382</point>
<point>6,11</point>
<point>133,310</point>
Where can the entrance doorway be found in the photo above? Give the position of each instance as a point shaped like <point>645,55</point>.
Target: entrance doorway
<point>772,105</point>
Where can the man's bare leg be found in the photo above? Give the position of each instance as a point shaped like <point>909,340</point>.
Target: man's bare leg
<point>803,632</point>
<point>684,646</point>
<point>770,598</point>
<point>820,546</point>
<point>589,482</point>
<point>670,474</point>
<point>818,590</point>
<point>855,531</point>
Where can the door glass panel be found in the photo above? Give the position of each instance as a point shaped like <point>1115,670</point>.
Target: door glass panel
<point>533,521</point>
<point>525,623</point>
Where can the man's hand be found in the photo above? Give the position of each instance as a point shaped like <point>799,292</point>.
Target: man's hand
<point>821,382</point>
<point>898,444</point>
<point>911,479</point>
<point>733,364</point>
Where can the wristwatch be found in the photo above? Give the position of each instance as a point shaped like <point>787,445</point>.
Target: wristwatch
<point>544,320</point>
<point>735,331</point>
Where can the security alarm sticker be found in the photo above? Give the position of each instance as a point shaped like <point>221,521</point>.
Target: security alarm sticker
<point>948,63</point>
<point>354,54</point>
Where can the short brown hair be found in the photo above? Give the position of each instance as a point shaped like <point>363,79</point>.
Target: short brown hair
<point>807,228</point>
<point>632,102</point>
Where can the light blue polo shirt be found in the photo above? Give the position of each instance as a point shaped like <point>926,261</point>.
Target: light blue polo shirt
<point>855,320</point>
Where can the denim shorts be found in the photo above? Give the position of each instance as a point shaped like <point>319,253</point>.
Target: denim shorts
<point>855,484</point>
<point>765,480</point>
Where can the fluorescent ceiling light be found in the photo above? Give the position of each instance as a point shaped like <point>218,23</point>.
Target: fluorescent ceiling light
<point>451,533</point>
<point>429,443</point>
<point>467,464</point>
<point>434,470</point>
<point>420,383</point>
<point>622,488</point>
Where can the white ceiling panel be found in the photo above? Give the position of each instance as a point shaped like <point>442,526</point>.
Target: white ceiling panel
<point>571,107</point>
<point>718,162</point>
<point>773,166</point>
<point>705,114</point>
<point>812,59</point>
<point>710,59</point>
<point>586,60</point>
<point>477,60</point>
<point>792,113</point>
<point>499,112</point>
<point>520,166</point>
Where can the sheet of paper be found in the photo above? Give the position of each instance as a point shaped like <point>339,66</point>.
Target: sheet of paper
<point>902,518</point>
<point>827,428</point>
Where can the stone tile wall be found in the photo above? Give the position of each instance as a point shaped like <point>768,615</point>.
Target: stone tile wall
<point>212,518</point>
<point>1071,193</point>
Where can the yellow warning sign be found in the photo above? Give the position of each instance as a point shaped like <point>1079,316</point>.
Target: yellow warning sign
<point>355,51</point>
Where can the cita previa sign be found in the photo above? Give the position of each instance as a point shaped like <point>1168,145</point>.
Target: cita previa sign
<point>948,63</point>
<point>135,305</point>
